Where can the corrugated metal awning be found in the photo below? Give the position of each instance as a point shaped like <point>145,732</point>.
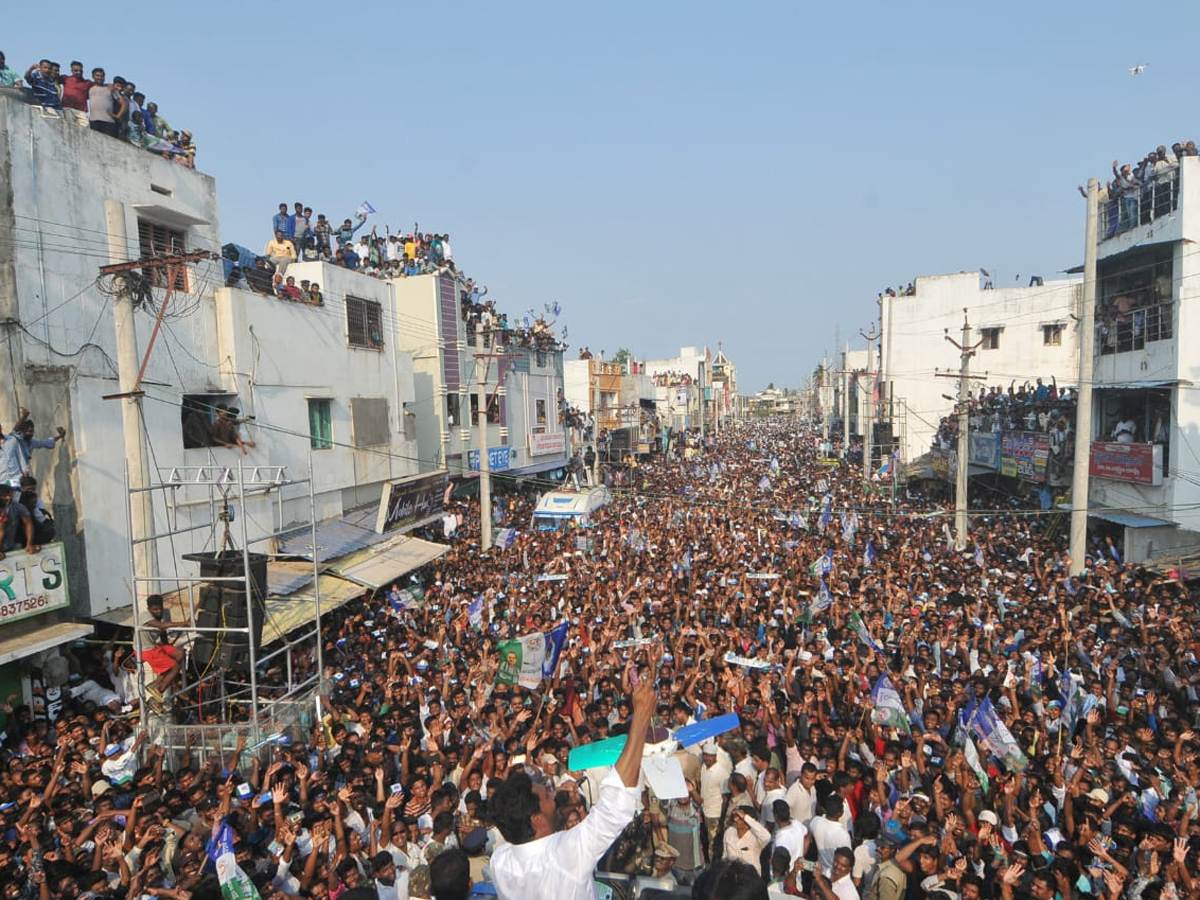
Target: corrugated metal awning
<point>336,537</point>
<point>379,566</point>
<point>26,639</point>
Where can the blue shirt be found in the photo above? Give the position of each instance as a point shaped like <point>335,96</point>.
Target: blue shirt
<point>44,90</point>
<point>344,234</point>
<point>15,453</point>
<point>283,222</point>
<point>351,258</point>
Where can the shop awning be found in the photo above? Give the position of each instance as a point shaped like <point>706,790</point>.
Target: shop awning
<point>285,578</point>
<point>381,565</point>
<point>539,467</point>
<point>25,639</point>
<point>1137,385</point>
<point>1130,520</point>
<point>300,610</point>
<point>1123,518</point>
<point>336,537</point>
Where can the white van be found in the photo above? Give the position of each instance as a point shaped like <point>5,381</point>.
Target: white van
<point>557,507</point>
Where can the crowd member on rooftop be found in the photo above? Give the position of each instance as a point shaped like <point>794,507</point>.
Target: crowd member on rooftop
<point>44,88</point>
<point>8,76</point>
<point>16,450</point>
<point>106,105</point>
<point>280,252</point>
<point>75,89</point>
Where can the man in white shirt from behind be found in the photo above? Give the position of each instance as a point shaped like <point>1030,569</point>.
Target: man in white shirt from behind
<point>539,863</point>
<point>829,834</point>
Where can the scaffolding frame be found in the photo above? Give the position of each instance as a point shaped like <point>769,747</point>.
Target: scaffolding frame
<point>224,486</point>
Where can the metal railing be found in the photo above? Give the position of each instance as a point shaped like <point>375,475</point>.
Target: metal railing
<point>1140,204</point>
<point>1123,327</point>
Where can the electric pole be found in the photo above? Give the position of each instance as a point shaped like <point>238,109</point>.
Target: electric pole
<point>1083,406</point>
<point>130,374</point>
<point>846,400</point>
<point>700,373</point>
<point>966,350</point>
<point>870,412</point>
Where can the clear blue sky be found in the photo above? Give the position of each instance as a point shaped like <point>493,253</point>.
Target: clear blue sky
<point>672,173</point>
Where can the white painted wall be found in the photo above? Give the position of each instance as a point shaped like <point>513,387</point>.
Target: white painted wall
<point>915,345</point>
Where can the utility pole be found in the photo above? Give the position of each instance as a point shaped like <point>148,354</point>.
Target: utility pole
<point>846,401</point>
<point>700,387</point>
<point>130,373</point>
<point>966,350</point>
<point>868,406</point>
<point>482,364</point>
<point>1083,406</point>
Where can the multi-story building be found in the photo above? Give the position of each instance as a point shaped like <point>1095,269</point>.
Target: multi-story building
<point>680,383</point>
<point>323,385</point>
<point>1024,333</point>
<point>1145,411</point>
<point>459,368</point>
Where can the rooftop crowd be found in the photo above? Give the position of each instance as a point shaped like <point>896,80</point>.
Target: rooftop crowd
<point>117,109</point>
<point>1035,406</point>
<point>837,783</point>
<point>1143,191</point>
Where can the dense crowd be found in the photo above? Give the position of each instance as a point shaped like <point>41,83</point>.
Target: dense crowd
<point>916,721</point>
<point>117,109</point>
<point>1039,407</point>
<point>299,236</point>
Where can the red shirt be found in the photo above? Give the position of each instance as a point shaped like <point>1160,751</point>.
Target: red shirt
<point>74,92</point>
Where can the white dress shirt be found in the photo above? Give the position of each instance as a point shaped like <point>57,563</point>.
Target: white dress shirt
<point>559,866</point>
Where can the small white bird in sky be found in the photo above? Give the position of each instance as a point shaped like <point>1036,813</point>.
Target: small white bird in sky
<point>1138,69</point>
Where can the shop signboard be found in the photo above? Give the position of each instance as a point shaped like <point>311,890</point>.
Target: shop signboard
<point>1023,455</point>
<point>32,583</point>
<point>1139,463</point>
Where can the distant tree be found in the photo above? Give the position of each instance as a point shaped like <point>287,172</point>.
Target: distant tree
<point>770,386</point>
<point>621,357</point>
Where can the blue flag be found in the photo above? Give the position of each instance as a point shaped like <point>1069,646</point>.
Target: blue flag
<point>869,554</point>
<point>235,884</point>
<point>554,644</point>
<point>475,613</point>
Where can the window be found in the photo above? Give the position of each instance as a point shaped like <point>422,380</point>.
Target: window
<point>540,408</point>
<point>320,428</point>
<point>198,413</point>
<point>990,338</point>
<point>1052,334</point>
<point>370,421</point>
<point>364,323</point>
<point>159,240</point>
<point>493,410</point>
<point>453,411</point>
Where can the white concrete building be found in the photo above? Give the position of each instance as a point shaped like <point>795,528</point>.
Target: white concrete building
<point>678,381</point>
<point>1147,315</point>
<point>325,382</point>
<point>1026,333</point>
<point>522,387</point>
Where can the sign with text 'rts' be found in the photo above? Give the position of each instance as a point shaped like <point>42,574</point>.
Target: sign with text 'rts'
<point>32,583</point>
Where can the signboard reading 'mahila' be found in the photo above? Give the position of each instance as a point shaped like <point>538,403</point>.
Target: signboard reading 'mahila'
<point>32,583</point>
<point>410,500</point>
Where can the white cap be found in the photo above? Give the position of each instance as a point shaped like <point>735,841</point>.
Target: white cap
<point>709,746</point>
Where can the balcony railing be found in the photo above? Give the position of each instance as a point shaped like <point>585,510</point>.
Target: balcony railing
<point>1140,204</point>
<point>1125,324</point>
